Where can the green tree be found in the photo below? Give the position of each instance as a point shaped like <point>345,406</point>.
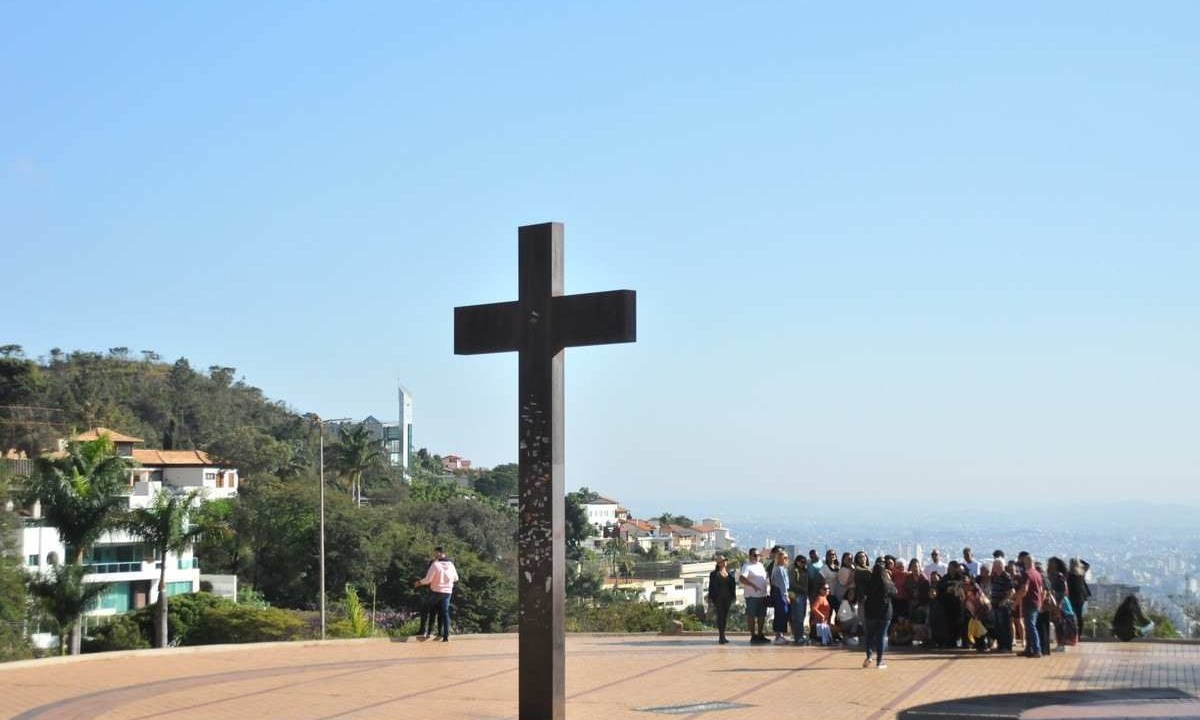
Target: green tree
<point>64,597</point>
<point>625,567</point>
<point>500,483</point>
<point>20,379</point>
<point>224,549</point>
<point>612,551</point>
<point>680,520</point>
<point>120,632</point>
<point>435,491</point>
<point>252,451</point>
<point>166,527</point>
<point>81,496</point>
<point>354,454</point>
<point>21,383</point>
<point>576,527</point>
<point>13,644</point>
<point>1163,627</point>
<point>426,466</point>
<point>585,495</point>
<point>582,583</point>
<point>276,524</point>
<point>489,531</point>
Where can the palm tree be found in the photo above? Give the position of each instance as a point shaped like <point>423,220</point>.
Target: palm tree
<point>354,454</point>
<point>81,493</point>
<point>165,526</point>
<point>64,596</point>
<point>613,549</point>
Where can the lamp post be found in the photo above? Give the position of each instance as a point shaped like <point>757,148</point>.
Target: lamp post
<point>321,433</point>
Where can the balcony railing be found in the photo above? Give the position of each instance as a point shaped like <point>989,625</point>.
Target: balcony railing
<point>189,564</point>
<point>113,567</point>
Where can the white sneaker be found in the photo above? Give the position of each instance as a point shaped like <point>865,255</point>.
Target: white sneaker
<point>781,641</point>
<point>867,662</point>
<point>881,666</point>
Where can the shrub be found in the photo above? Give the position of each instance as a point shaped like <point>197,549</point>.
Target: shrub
<point>360,624</point>
<point>240,624</point>
<point>407,628</point>
<point>628,616</point>
<point>122,632</point>
<point>185,611</point>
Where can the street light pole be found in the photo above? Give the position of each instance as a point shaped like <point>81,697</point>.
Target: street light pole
<point>321,432</point>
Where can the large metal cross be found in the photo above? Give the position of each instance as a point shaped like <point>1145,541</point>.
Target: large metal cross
<point>539,326</point>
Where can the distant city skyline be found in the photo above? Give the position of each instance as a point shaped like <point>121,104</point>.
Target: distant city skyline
<point>917,253</point>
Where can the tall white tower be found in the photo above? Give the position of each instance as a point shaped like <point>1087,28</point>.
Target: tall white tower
<point>406,426</point>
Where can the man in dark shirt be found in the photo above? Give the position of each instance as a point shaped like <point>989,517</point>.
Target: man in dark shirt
<point>1031,605</point>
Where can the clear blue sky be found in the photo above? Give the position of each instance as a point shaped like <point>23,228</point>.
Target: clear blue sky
<point>903,250</point>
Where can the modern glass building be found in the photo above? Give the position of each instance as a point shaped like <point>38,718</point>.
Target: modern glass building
<point>397,437</point>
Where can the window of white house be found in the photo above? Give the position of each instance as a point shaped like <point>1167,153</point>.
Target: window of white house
<point>32,561</point>
<point>210,475</point>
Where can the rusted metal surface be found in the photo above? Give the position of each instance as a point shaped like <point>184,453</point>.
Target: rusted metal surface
<point>539,326</point>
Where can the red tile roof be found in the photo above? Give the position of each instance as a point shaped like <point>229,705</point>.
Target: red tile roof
<point>96,432</point>
<point>173,457</point>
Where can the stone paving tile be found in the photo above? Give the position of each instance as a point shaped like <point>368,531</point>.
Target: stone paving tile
<point>609,677</point>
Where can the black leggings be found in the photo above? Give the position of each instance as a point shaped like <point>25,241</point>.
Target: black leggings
<point>722,607</point>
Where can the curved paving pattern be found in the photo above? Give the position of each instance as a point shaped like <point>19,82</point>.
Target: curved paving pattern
<point>635,676</point>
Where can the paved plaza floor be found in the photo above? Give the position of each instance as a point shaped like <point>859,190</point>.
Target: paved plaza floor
<point>609,677</point>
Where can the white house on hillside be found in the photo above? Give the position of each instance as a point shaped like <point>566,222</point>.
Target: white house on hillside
<point>713,537</point>
<point>601,513</point>
<point>119,558</point>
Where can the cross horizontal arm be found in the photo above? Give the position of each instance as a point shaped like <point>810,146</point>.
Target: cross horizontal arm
<point>595,318</point>
<point>491,328</point>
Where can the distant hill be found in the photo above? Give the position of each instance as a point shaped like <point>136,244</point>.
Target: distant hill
<point>169,405</point>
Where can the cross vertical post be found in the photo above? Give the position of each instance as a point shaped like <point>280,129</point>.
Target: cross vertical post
<point>540,325</point>
<point>541,547</point>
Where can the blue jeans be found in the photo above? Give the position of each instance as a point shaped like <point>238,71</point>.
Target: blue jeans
<point>439,607</point>
<point>779,601</point>
<point>877,631</point>
<point>799,610</point>
<point>1044,632</point>
<point>1033,643</point>
<point>1002,627</point>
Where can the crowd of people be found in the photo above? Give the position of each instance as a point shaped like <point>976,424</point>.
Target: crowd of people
<point>990,606</point>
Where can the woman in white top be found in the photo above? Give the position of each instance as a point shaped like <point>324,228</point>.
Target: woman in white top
<point>848,623</point>
<point>829,572</point>
<point>845,574</point>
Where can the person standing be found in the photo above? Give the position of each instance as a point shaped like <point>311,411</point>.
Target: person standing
<point>877,609</point>
<point>1001,592</point>
<point>970,563</point>
<point>1077,588</point>
<point>721,593</point>
<point>798,586</point>
<point>949,597</point>
<point>935,565</point>
<point>845,575</point>
<point>755,586</point>
<point>1031,605</point>
<point>440,577</point>
<point>829,574</point>
<point>1066,624</point>
<point>780,591</point>
<point>429,609</point>
<point>900,580</point>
